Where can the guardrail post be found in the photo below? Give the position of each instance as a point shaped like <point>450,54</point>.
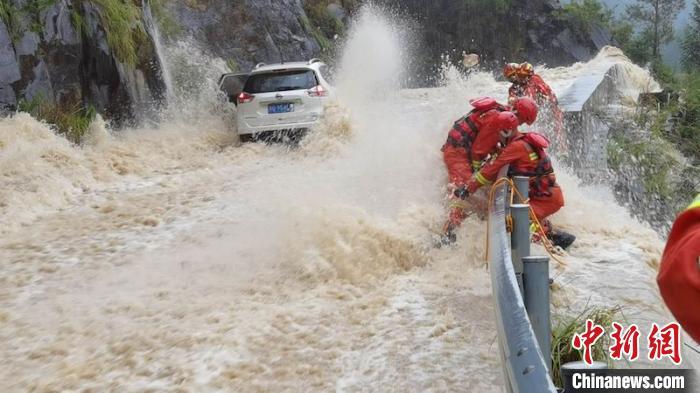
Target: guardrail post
<point>520,238</point>
<point>522,184</point>
<point>536,289</point>
<point>568,370</point>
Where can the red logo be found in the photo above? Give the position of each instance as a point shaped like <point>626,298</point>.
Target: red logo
<point>624,344</point>
<point>585,341</point>
<point>665,342</point>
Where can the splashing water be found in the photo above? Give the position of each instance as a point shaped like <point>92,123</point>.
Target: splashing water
<point>174,258</point>
<point>373,62</point>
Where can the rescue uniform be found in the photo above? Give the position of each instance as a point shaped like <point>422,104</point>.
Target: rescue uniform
<point>536,88</point>
<point>546,197</point>
<point>470,141</point>
<point>679,273</point>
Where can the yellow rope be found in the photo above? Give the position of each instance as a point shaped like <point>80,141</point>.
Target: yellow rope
<point>548,246</point>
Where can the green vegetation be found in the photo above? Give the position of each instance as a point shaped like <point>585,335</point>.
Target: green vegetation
<point>318,15</point>
<point>33,9</point>
<point>690,42</point>
<point>653,157</point>
<point>654,18</point>
<point>121,20</point>
<point>10,15</point>
<point>323,41</point>
<point>232,65</point>
<point>168,27</point>
<point>322,25</point>
<point>565,327</point>
<point>78,22</point>
<point>585,13</point>
<point>71,120</point>
<point>686,135</point>
<point>674,122</point>
<point>640,33</point>
<point>684,114</point>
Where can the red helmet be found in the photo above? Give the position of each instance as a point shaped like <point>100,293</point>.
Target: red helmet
<point>526,110</point>
<point>506,121</point>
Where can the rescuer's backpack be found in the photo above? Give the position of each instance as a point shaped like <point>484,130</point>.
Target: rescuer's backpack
<point>542,177</point>
<point>464,130</point>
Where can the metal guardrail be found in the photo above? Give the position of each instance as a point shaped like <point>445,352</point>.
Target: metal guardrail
<point>524,366</point>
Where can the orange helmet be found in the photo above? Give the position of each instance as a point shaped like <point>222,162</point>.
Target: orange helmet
<point>526,110</point>
<point>510,71</point>
<point>525,70</point>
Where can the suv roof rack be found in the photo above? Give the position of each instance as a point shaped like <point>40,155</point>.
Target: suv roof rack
<point>260,65</point>
<point>314,60</point>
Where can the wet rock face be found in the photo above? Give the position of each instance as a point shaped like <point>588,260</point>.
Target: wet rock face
<point>70,67</point>
<point>9,68</point>
<point>500,31</point>
<point>248,31</point>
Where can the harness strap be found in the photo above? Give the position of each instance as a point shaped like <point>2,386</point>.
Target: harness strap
<point>543,169</point>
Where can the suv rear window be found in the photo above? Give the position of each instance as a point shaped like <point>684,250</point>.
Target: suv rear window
<point>281,81</point>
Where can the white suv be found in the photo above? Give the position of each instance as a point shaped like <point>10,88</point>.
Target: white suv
<point>278,99</point>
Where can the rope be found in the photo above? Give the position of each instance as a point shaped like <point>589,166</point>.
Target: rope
<point>546,243</point>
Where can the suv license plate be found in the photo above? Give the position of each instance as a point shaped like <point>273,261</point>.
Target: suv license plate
<point>280,108</point>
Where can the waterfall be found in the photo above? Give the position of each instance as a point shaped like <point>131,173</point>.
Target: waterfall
<point>152,29</point>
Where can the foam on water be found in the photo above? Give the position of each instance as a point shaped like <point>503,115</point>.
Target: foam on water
<point>172,257</point>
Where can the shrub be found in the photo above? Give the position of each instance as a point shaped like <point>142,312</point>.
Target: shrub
<point>33,8</point>
<point>10,16</point>
<point>566,327</point>
<point>71,120</point>
<point>316,11</point>
<point>121,20</point>
<point>587,12</point>
<point>232,65</point>
<point>167,25</point>
<point>685,133</point>
<point>316,32</point>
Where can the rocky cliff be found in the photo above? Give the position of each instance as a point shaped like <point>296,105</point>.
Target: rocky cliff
<point>103,53</point>
<point>70,54</point>
<point>247,32</point>
<point>501,31</point>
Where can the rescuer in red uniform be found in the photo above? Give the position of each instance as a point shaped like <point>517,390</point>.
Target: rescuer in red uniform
<point>526,83</point>
<point>526,155</point>
<point>472,139</point>
<point>679,273</point>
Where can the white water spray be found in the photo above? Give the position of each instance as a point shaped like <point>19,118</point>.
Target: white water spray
<point>170,258</point>
<point>154,32</point>
<point>373,62</point>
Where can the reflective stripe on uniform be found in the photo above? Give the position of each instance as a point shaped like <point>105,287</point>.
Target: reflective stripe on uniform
<point>534,156</point>
<point>458,204</point>
<point>534,228</point>
<point>696,203</point>
<point>476,165</point>
<point>481,179</point>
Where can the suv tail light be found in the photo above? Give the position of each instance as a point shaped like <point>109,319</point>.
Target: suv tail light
<point>317,91</point>
<point>245,98</point>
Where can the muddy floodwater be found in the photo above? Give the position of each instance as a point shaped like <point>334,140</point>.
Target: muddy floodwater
<point>172,258</point>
